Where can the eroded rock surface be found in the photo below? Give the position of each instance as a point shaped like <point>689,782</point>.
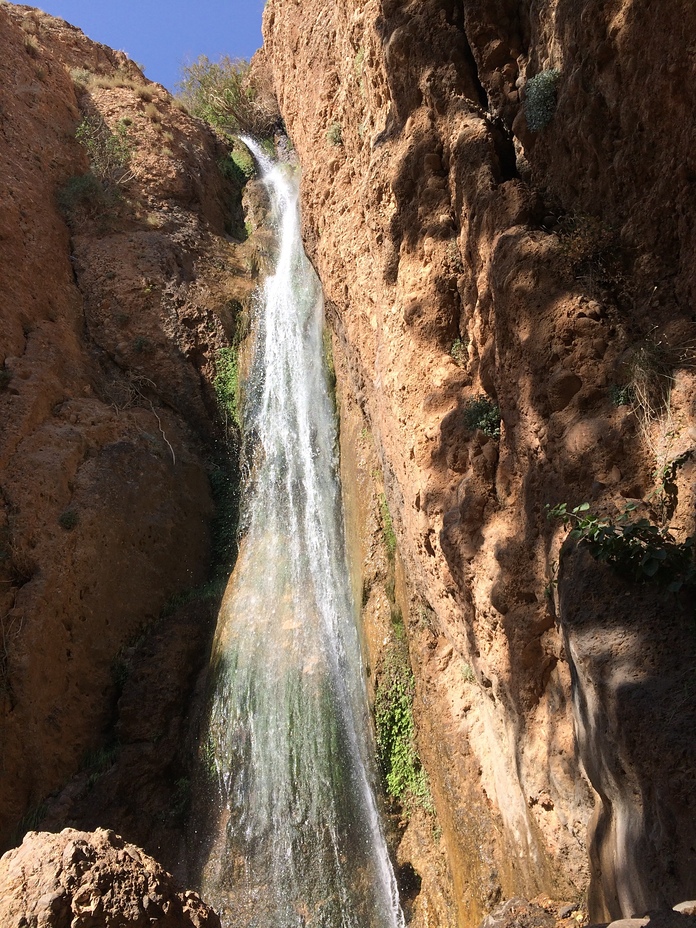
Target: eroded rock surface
<point>463,255</point>
<point>79,879</point>
<point>111,312</point>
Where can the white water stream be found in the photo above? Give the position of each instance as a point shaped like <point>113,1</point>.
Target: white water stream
<point>300,841</point>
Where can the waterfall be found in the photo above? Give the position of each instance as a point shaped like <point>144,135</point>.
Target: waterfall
<point>299,841</point>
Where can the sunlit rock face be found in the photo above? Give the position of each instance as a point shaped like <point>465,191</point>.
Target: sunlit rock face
<point>463,255</point>
<point>95,878</point>
<point>111,313</point>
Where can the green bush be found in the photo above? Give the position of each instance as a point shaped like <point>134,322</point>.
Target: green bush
<point>224,94</point>
<point>243,161</point>
<point>481,413</point>
<point>621,396</point>
<point>458,352</point>
<point>639,550</point>
<point>387,526</point>
<point>540,99</point>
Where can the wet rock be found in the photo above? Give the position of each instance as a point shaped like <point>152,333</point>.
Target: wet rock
<point>519,913</point>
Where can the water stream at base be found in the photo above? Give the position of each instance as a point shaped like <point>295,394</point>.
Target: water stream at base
<point>299,841</point>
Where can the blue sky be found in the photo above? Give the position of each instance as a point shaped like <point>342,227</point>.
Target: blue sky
<point>163,34</point>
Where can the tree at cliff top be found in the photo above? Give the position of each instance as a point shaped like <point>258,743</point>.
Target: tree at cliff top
<point>229,95</point>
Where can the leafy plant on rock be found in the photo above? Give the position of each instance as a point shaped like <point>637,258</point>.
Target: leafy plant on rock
<point>388,532</point>
<point>405,778</point>
<point>540,99</point>
<point>636,548</point>
<point>334,134</point>
<point>459,353</point>
<point>483,414</point>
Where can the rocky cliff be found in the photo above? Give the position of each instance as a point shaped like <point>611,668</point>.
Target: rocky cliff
<point>499,200</point>
<point>123,273</point>
<point>498,197</point>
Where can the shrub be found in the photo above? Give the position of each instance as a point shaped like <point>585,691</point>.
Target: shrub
<point>481,413</point>
<point>334,134</point>
<point>458,352</point>
<point>224,95</point>
<point>152,113</point>
<point>81,194</point>
<point>118,79</point>
<point>31,46</point>
<point>68,520</point>
<point>238,165</point>
<point>109,152</point>
<point>81,77</point>
<point>589,250</point>
<point>639,550</point>
<point>540,99</point>
<point>650,375</point>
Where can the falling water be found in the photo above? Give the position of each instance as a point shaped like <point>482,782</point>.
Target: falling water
<point>299,839</point>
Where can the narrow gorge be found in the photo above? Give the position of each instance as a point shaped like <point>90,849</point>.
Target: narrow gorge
<point>497,198</point>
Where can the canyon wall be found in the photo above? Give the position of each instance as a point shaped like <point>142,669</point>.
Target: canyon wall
<point>472,265</point>
<point>118,288</point>
<point>511,290</point>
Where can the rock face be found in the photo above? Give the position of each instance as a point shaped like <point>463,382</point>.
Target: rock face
<point>499,201</point>
<point>79,879</point>
<point>111,311</point>
<point>550,273</point>
<point>634,703</point>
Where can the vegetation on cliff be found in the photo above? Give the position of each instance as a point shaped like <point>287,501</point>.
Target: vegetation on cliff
<point>636,548</point>
<point>404,776</point>
<point>229,96</point>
